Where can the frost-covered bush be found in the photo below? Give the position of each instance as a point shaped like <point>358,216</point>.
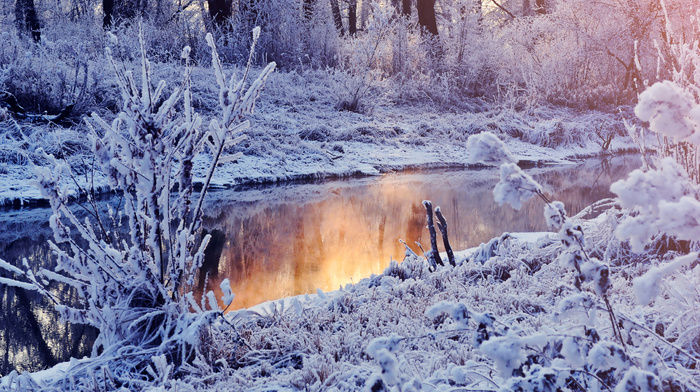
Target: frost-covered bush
<point>664,200</point>
<point>532,362</point>
<point>136,288</point>
<point>487,148</point>
<point>362,63</point>
<point>661,206</point>
<point>47,77</point>
<point>670,111</point>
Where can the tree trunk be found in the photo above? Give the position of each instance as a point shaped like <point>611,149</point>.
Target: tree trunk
<point>337,18</point>
<point>426,16</point>
<point>27,19</point>
<point>220,12</point>
<point>352,17</point>
<point>108,11</point>
<point>115,11</point>
<point>364,13</point>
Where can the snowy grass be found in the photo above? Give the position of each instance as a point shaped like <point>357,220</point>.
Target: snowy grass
<point>298,132</point>
<point>520,287</point>
<point>520,299</point>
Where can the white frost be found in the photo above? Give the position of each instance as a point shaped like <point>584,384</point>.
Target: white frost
<point>515,186</point>
<point>488,149</point>
<point>228,293</point>
<point>648,286</point>
<point>669,111</point>
<point>665,201</point>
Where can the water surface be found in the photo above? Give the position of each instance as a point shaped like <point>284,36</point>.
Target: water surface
<point>292,239</point>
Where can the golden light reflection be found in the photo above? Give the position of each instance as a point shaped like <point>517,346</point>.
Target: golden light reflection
<point>341,233</point>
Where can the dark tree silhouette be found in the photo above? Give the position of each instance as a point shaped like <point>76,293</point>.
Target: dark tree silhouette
<point>121,10</point>
<point>108,11</point>
<point>337,17</point>
<point>27,19</point>
<point>406,7</point>
<point>426,16</point>
<point>352,17</point>
<point>220,12</point>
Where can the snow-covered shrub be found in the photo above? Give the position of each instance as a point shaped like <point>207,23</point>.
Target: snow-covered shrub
<point>664,201</point>
<point>136,288</point>
<point>49,76</point>
<point>584,358</point>
<point>362,63</point>
<point>669,110</point>
<point>661,205</point>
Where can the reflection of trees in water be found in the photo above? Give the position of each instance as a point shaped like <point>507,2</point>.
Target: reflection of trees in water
<point>32,336</point>
<point>343,229</point>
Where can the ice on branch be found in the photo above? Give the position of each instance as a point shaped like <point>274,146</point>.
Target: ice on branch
<point>555,215</point>
<point>228,292</point>
<point>606,356</point>
<point>665,201</point>
<point>515,186</point>
<point>598,273</point>
<point>636,379</point>
<point>457,311</point>
<point>648,286</point>
<point>389,343</point>
<point>507,352</point>
<point>488,149</point>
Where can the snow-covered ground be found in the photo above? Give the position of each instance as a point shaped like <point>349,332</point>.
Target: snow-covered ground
<point>297,132</point>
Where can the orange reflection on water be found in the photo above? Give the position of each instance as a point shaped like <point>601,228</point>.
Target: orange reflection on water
<point>339,232</point>
<point>295,249</point>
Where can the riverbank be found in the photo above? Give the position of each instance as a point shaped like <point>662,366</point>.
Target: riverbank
<point>298,134</point>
